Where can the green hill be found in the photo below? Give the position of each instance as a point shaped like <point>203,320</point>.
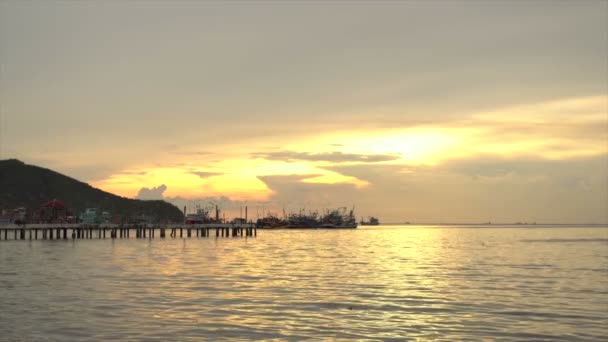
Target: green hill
<point>30,186</point>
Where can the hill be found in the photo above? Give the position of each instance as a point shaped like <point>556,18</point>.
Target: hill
<point>30,186</point>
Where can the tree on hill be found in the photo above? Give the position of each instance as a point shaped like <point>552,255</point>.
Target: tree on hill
<point>30,186</point>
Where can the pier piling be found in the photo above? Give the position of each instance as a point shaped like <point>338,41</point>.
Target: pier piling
<point>54,231</point>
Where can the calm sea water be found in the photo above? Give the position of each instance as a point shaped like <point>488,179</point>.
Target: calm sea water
<point>376,283</point>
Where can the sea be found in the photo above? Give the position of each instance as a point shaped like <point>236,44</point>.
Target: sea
<point>374,283</point>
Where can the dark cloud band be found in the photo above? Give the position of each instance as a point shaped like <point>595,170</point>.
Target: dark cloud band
<point>332,157</point>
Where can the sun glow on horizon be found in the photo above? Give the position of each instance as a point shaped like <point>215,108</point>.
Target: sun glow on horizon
<point>503,133</point>
<point>237,179</point>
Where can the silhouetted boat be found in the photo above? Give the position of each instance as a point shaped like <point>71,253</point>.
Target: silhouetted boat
<point>270,221</point>
<point>373,221</point>
<point>303,221</point>
<point>202,217</point>
<point>339,219</point>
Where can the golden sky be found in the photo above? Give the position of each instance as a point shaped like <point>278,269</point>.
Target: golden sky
<point>410,111</point>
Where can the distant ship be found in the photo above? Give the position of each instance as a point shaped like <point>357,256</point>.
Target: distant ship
<point>373,221</point>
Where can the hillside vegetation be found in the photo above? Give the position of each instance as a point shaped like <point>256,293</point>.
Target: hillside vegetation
<point>30,186</point>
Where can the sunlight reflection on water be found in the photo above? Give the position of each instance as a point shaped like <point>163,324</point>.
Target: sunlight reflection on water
<point>370,283</point>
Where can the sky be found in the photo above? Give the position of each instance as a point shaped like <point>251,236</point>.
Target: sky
<point>438,111</point>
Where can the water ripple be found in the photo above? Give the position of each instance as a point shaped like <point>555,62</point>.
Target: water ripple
<point>426,283</point>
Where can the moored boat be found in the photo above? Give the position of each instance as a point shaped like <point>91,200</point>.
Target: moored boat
<point>270,222</point>
<point>303,221</point>
<point>339,218</point>
<point>373,221</point>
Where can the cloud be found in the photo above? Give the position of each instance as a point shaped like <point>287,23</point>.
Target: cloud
<point>284,179</point>
<point>294,193</point>
<point>205,201</point>
<point>229,208</point>
<point>370,172</point>
<point>136,173</point>
<point>151,193</point>
<point>195,153</point>
<point>563,174</point>
<point>332,157</point>
<point>204,174</point>
<point>486,189</point>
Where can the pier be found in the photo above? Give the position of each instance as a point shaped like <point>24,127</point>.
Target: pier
<point>124,231</point>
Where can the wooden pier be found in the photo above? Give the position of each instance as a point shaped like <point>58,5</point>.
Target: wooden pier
<point>114,231</point>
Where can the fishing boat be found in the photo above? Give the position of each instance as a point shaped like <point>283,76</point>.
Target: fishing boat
<point>270,222</point>
<point>302,220</point>
<point>202,216</point>
<point>373,221</point>
<point>338,218</point>
<point>334,219</point>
